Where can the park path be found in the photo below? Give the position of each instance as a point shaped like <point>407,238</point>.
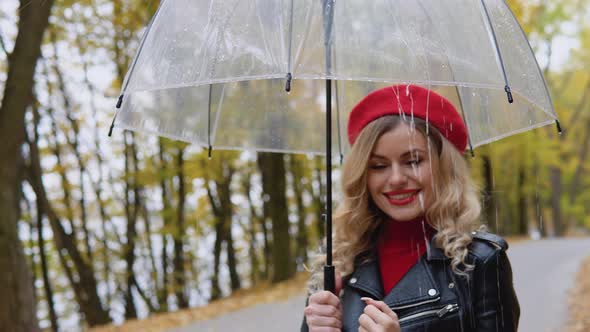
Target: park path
<point>544,272</point>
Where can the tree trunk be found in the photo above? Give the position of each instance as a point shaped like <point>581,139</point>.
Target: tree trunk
<point>489,200</point>
<point>62,171</point>
<point>272,167</point>
<point>296,166</point>
<point>179,272</point>
<point>232,263</point>
<point>73,142</point>
<point>254,220</point>
<point>523,220</point>
<point>576,183</point>
<point>131,212</point>
<point>224,196</point>
<point>220,201</point>
<point>266,251</point>
<point>165,196</point>
<point>152,256</point>
<point>556,190</point>
<point>97,186</point>
<point>45,271</point>
<point>215,287</point>
<point>17,306</point>
<point>84,283</point>
<point>319,200</point>
<point>41,244</point>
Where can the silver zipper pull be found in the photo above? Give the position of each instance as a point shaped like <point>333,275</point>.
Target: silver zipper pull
<point>447,309</point>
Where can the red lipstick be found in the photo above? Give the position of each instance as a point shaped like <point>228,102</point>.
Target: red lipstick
<point>409,195</point>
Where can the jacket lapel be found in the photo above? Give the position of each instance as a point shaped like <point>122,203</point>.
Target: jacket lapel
<point>367,278</point>
<point>434,252</point>
<point>416,286</point>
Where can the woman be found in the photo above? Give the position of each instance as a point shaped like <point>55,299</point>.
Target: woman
<point>406,251</point>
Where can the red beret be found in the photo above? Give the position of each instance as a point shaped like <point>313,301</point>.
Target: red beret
<point>407,99</point>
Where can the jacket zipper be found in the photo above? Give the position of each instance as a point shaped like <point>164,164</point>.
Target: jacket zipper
<point>415,304</point>
<point>439,312</point>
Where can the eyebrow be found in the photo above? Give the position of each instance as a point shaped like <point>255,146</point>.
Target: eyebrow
<point>410,153</point>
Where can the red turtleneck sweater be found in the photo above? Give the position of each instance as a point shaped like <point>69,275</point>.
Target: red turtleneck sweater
<point>400,246</point>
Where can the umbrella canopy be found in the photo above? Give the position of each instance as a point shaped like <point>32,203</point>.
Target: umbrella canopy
<point>249,74</point>
<point>214,72</point>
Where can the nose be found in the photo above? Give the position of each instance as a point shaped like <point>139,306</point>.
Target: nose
<point>397,178</point>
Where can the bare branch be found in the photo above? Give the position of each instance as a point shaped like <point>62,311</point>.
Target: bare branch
<point>3,45</point>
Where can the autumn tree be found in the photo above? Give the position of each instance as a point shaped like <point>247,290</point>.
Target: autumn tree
<point>17,307</point>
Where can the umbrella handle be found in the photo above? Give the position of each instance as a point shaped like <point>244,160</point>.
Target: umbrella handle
<point>330,279</point>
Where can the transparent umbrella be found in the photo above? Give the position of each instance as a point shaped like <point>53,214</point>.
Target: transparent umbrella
<point>264,74</point>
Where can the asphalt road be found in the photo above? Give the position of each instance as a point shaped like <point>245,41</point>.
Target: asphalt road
<point>544,272</point>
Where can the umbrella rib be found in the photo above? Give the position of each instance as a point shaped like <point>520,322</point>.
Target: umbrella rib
<point>217,115</point>
<point>537,63</point>
<point>222,28</point>
<point>464,118</point>
<point>498,53</point>
<point>514,132</point>
<point>289,60</point>
<point>130,72</point>
<point>454,80</point>
<point>143,39</point>
<point>209,122</point>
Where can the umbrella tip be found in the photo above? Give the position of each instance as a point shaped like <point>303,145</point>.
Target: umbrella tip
<point>509,94</point>
<point>113,124</point>
<point>120,101</point>
<point>559,131</point>
<point>209,151</point>
<point>288,84</point>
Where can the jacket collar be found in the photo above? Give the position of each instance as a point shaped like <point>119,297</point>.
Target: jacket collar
<point>367,278</point>
<point>435,253</point>
<point>416,286</point>
<point>418,280</point>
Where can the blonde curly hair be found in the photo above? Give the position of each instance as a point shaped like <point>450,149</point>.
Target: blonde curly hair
<point>454,213</point>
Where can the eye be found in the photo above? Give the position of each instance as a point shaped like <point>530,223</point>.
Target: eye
<point>414,162</point>
<point>377,166</point>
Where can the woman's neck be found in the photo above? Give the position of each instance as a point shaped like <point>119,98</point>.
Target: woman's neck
<point>406,231</point>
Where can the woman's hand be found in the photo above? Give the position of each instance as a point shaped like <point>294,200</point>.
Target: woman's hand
<point>324,310</point>
<point>378,317</point>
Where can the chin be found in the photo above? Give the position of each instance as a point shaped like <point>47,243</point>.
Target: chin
<point>405,216</point>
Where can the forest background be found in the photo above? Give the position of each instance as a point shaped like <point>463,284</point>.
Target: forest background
<point>95,230</point>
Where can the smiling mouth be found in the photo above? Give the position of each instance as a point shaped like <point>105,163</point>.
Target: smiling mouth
<point>402,197</point>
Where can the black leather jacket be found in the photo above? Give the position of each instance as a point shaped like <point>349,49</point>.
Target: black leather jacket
<point>431,298</point>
